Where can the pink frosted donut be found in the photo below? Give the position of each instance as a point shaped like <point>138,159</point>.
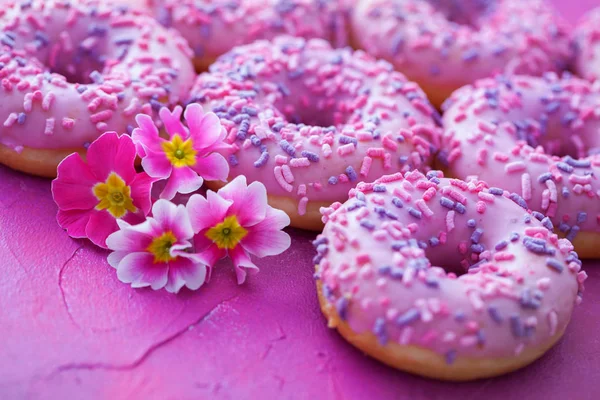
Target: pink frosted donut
<point>587,39</point>
<point>445,44</point>
<point>510,132</point>
<point>444,278</point>
<point>309,121</point>
<point>72,70</point>
<point>213,27</point>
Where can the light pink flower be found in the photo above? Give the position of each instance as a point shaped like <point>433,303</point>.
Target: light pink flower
<point>92,196</point>
<point>237,221</point>
<point>189,156</point>
<point>156,253</point>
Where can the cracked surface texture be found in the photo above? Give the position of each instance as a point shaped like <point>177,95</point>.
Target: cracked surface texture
<point>69,329</point>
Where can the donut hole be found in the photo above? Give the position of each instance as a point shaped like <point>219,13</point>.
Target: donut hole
<point>298,110</point>
<point>463,12</point>
<point>83,69</point>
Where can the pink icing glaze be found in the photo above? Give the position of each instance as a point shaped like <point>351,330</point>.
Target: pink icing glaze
<point>587,38</point>
<point>454,42</point>
<point>355,117</point>
<point>214,27</point>
<point>518,286</point>
<point>492,126</point>
<point>143,66</point>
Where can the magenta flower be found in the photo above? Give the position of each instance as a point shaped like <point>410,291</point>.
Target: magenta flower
<point>237,221</point>
<point>189,156</point>
<point>156,253</point>
<point>92,196</point>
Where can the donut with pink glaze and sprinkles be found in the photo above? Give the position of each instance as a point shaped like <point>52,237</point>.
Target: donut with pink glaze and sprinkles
<point>537,140</point>
<point>587,40</point>
<point>213,27</point>
<point>445,44</point>
<point>444,278</point>
<point>310,121</point>
<point>71,70</point>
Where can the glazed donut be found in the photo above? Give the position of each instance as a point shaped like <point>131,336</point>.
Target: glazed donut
<point>72,70</point>
<point>445,44</point>
<point>506,130</point>
<point>309,121</point>
<point>587,40</point>
<point>443,278</point>
<point>213,27</point>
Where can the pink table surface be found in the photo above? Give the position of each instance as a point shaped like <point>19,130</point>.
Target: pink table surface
<point>70,330</point>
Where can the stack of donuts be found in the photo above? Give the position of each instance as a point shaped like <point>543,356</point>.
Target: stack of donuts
<point>447,149</point>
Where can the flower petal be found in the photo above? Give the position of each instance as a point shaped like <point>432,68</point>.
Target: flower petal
<point>74,222</point>
<point>213,167</point>
<point>249,202</point>
<point>100,226</point>
<point>72,189</point>
<point>207,212</point>
<point>266,238</point>
<point>141,188</point>
<point>156,164</point>
<point>132,238</point>
<point>185,272</point>
<point>242,263</point>
<point>172,121</point>
<point>173,218</point>
<point>209,256</point>
<point>140,270</point>
<point>112,153</point>
<point>183,180</point>
<point>147,135</point>
<point>205,129</point>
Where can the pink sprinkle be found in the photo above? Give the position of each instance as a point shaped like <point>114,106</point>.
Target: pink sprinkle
<point>12,118</point>
<point>487,127</point>
<point>429,194</point>
<point>68,123</point>
<point>450,221</point>
<point>583,180</point>
<point>503,256</point>
<point>487,197</point>
<point>375,152</point>
<point>326,150</point>
<point>280,160</point>
<point>302,206</point>
<point>552,322</point>
<point>526,186</point>
<point>424,208</point>
<point>362,259</point>
<point>101,116</point>
<point>480,207</point>
<point>543,283</point>
<point>405,335</point>
<point>476,301</point>
<point>500,157</point>
<point>287,174</point>
<point>389,143</point>
<point>366,166</point>
<point>454,154</point>
<point>346,149</point>
<point>301,190</point>
<point>468,341</point>
<point>455,195</point>
<point>281,180</point>
<point>481,156</point>
<point>460,117</point>
<point>552,189</point>
<point>49,129</point>
<point>403,194</point>
<point>515,166</point>
<point>300,162</point>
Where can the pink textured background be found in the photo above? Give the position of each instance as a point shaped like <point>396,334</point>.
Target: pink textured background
<point>69,329</point>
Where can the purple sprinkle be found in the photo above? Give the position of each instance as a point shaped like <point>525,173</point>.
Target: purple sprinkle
<point>342,307</point>
<point>554,264</point>
<point>516,326</point>
<point>477,248</point>
<point>312,157</point>
<point>255,140</point>
<point>581,217</point>
<point>460,208</point>
<point>476,236</point>
<point>397,202</point>
<point>564,167</point>
<point>333,180</point>
<point>471,223</point>
<point>319,241</point>
<point>573,232</point>
<point>577,163</point>
<point>408,317</point>
<point>415,213</point>
<point>347,139</point>
<point>565,192</point>
<point>240,118</point>
<point>356,205</point>
<point>434,241</point>
<point>495,314</point>
<point>96,77</point>
<point>367,224</point>
<point>470,55</point>
<point>519,200</point>
<point>496,191</point>
<point>432,282</point>
<point>322,249</point>
<point>450,357</point>
<point>538,215</point>
<point>544,177</point>
<point>288,148</point>
<point>547,223</point>
<point>564,227</point>
<point>360,196</point>
<point>447,203</point>
<point>379,330</point>
<point>396,273</point>
<point>350,172</point>
<point>399,245</point>
<point>460,316</point>
<point>501,245</point>
<point>379,188</point>
<point>527,301</point>
<point>233,161</point>
<point>384,270</point>
<point>514,237</point>
<point>262,160</point>
<point>21,118</point>
<point>250,111</point>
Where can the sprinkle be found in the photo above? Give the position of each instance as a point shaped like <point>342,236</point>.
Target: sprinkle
<point>415,213</point>
<point>554,264</point>
<point>408,317</point>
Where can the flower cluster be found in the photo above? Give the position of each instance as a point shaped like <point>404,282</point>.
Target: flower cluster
<point>163,244</point>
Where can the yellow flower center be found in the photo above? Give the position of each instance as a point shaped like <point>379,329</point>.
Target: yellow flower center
<point>160,247</point>
<point>227,234</point>
<point>114,195</point>
<point>180,153</point>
